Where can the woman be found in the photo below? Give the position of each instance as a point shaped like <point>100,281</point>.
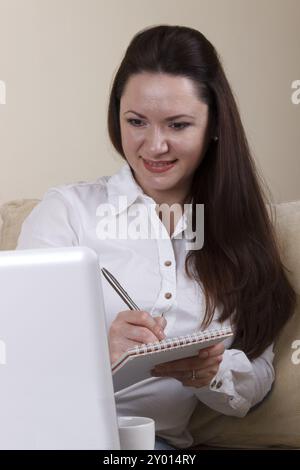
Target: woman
<point>173,119</point>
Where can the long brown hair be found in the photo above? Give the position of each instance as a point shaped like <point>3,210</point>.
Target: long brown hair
<point>239,265</point>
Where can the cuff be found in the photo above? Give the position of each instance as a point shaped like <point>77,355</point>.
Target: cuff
<point>231,390</point>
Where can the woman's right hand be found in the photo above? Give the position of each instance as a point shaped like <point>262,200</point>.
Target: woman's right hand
<point>131,328</point>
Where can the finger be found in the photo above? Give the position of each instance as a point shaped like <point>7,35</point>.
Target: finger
<point>193,363</point>
<point>139,334</point>
<point>197,383</point>
<point>184,374</point>
<point>161,321</point>
<point>215,350</point>
<point>143,318</point>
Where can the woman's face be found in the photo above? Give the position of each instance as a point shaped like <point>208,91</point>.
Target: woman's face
<point>151,133</point>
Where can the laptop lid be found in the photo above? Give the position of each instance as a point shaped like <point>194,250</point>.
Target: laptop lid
<point>56,387</point>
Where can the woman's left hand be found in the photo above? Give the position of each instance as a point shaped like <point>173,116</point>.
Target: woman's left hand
<point>196,371</point>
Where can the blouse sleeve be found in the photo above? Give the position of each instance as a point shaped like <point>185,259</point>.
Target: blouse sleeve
<point>239,383</point>
<point>52,223</point>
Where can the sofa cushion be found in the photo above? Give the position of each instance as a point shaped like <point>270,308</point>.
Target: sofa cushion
<point>276,421</point>
<point>13,214</point>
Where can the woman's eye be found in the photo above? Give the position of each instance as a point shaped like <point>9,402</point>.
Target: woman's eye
<point>176,125</point>
<point>180,125</point>
<point>134,122</point>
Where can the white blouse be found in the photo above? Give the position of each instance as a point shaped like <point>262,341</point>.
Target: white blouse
<point>152,272</point>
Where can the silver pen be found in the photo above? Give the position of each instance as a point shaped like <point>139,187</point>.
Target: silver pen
<point>119,289</point>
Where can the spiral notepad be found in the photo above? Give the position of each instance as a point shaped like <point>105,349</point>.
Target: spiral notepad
<point>135,365</point>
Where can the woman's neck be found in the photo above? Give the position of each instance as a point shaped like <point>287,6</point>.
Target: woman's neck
<point>170,212</point>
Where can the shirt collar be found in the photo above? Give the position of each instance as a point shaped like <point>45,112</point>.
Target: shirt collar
<point>123,190</point>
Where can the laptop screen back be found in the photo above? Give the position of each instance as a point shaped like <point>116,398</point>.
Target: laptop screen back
<point>56,387</point>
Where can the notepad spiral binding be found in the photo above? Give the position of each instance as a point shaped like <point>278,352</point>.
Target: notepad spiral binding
<point>181,340</point>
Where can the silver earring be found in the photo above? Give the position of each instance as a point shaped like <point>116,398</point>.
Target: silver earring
<point>215,138</point>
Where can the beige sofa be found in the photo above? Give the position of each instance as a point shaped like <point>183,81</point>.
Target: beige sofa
<point>276,421</point>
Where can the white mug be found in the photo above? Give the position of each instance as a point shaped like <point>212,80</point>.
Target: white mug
<point>136,432</point>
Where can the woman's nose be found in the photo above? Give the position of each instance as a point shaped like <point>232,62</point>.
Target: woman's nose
<point>155,143</point>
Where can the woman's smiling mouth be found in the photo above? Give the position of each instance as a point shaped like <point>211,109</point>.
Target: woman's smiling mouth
<point>159,166</point>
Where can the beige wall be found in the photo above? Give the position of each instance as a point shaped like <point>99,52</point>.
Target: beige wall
<point>58,57</point>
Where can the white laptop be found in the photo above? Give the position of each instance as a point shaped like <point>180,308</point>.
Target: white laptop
<point>56,387</point>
